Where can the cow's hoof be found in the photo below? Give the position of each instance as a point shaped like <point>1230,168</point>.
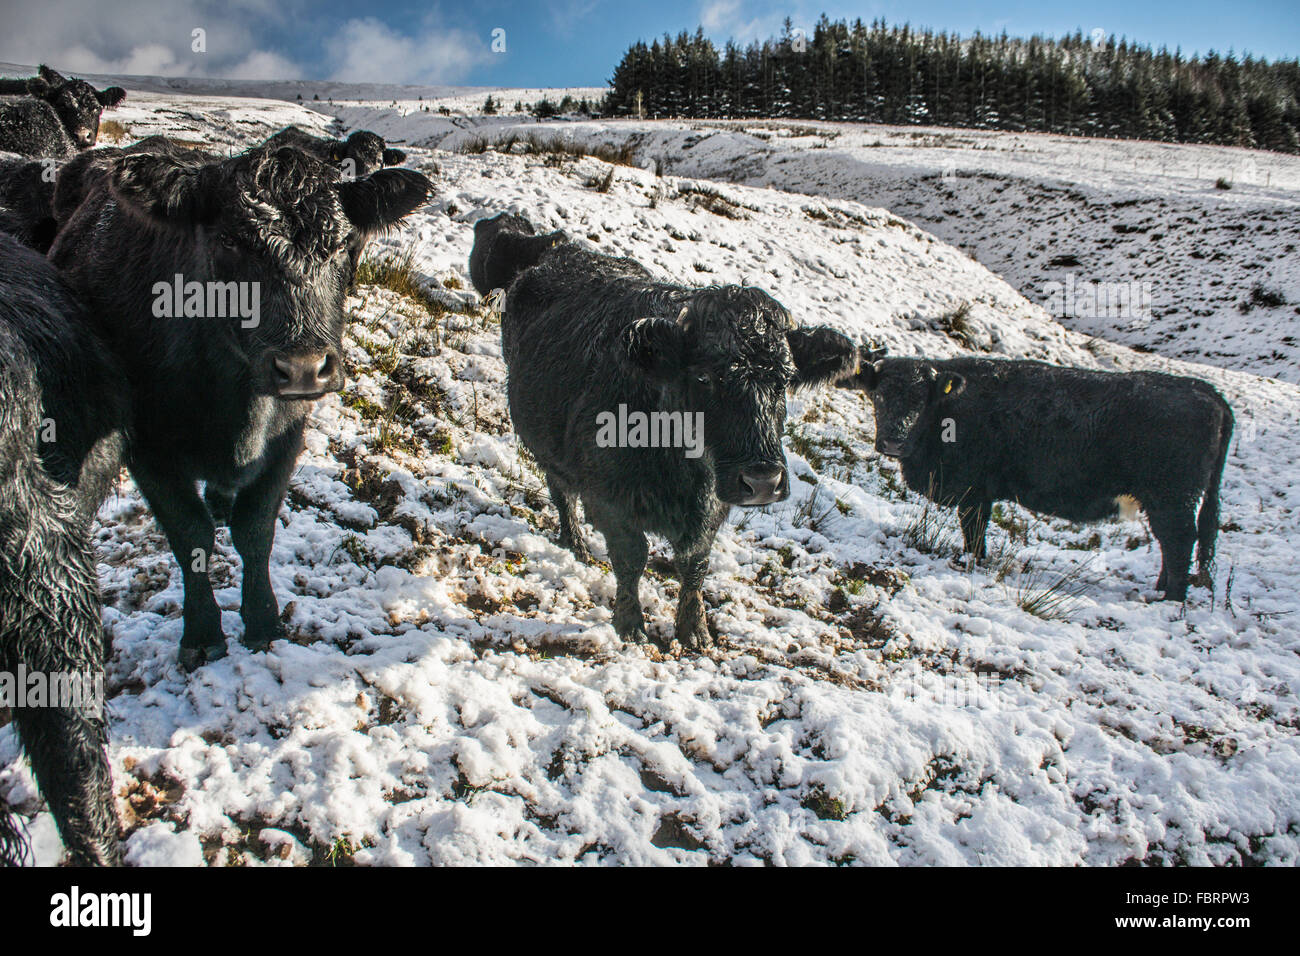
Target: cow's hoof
<point>578,548</point>
<point>192,658</point>
<point>633,635</point>
<point>262,638</point>
<point>694,639</point>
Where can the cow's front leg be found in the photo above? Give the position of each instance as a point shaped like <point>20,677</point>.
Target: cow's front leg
<point>252,530</point>
<point>570,531</point>
<point>184,517</point>
<point>627,553</point>
<point>692,560</point>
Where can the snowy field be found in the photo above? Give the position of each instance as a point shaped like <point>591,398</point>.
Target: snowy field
<point>453,691</point>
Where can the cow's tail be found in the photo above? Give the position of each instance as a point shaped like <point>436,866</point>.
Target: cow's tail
<point>1207,521</point>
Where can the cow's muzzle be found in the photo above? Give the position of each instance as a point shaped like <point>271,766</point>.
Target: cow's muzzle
<point>761,483</point>
<point>305,375</point>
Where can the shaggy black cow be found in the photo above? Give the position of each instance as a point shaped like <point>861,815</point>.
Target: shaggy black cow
<point>505,246</point>
<point>78,177</point>
<point>52,115</point>
<point>589,340</point>
<point>1069,442</point>
<point>223,363</point>
<point>61,424</point>
<point>27,201</point>
<point>366,150</point>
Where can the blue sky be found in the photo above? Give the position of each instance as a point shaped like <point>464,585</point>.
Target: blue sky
<point>548,42</point>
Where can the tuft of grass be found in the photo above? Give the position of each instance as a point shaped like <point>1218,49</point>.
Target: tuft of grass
<point>710,200</point>
<point>111,129</point>
<point>816,508</point>
<point>1222,183</point>
<point>1051,595</point>
<point>554,146</point>
<point>826,806</point>
<point>356,548</point>
<point>397,273</point>
<point>602,184</point>
<point>956,325</point>
<point>1261,295</point>
<point>928,530</point>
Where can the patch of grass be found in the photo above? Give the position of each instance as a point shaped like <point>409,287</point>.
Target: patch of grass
<point>356,548</point>
<point>602,184</point>
<point>1222,183</point>
<point>1017,529</point>
<point>710,200</point>
<point>397,273</point>
<point>1261,295</point>
<point>815,509</point>
<point>826,806</point>
<point>928,530</point>
<point>553,146</point>
<point>956,325</point>
<point>111,129</point>
<point>341,852</point>
<point>1051,595</point>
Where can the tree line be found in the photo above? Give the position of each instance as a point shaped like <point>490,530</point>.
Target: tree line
<point>1076,84</point>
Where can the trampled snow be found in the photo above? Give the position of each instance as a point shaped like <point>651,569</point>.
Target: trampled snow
<point>453,692</point>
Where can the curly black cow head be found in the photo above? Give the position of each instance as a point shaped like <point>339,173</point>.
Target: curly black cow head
<point>275,226</point>
<point>731,354</point>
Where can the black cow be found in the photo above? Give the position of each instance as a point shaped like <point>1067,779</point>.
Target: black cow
<point>52,115</point>
<point>79,176</point>
<point>216,397</point>
<point>587,338</point>
<point>27,200</point>
<point>505,246</point>
<point>1069,442</point>
<point>366,150</point>
<point>61,443</point>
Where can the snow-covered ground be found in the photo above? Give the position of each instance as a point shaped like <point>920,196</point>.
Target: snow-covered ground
<point>453,691</point>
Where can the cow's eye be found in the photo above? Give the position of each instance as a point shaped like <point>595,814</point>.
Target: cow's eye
<point>227,241</point>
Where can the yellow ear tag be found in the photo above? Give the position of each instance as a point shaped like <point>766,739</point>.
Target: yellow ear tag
<point>948,388</point>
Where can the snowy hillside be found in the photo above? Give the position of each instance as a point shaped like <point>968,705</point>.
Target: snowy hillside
<point>1149,216</point>
<point>453,691</point>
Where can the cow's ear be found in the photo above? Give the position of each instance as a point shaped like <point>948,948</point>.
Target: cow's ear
<point>394,157</point>
<point>51,77</point>
<point>948,384</point>
<point>111,96</point>
<point>162,189</point>
<point>867,377</point>
<point>383,198</point>
<point>338,151</point>
<point>656,347</point>
<point>821,355</point>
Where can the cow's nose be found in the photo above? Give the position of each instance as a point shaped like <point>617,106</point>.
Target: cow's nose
<point>307,374</point>
<point>764,484</point>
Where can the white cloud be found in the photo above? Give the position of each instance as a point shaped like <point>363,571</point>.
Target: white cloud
<point>245,39</point>
<point>727,19</point>
<point>369,51</point>
<point>149,38</point>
